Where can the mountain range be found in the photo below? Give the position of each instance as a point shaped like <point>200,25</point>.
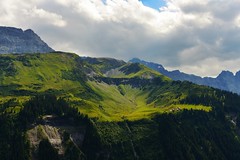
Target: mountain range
<point>14,40</point>
<point>62,106</point>
<point>226,80</point>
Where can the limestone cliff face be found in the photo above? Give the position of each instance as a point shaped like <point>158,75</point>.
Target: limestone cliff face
<point>41,132</point>
<point>54,130</point>
<point>14,40</point>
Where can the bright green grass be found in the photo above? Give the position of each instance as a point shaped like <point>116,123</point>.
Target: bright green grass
<point>114,105</point>
<point>19,99</point>
<point>132,105</point>
<point>45,72</point>
<point>144,72</point>
<point>146,112</point>
<point>13,110</point>
<point>15,103</point>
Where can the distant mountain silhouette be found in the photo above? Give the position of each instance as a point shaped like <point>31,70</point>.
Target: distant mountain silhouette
<point>226,80</point>
<point>14,40</point>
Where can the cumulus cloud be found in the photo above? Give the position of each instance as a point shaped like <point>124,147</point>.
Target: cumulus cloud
<point>198,37</point>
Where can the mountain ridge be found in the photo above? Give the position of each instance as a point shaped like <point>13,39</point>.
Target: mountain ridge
<point>226,80</point>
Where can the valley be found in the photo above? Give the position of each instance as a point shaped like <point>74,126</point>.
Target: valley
<point>110,109</point>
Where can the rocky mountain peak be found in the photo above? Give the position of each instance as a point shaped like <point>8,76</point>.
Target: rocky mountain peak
<point>15,40</point>
<point>225,74</point>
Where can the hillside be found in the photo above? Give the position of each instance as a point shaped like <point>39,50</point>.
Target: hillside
<point>14,40</point>
<point>67,75</point>
<point>104,108</point>
<point>226,80</point>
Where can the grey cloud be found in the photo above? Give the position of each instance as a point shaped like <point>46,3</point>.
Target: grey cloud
<point>225,10</point>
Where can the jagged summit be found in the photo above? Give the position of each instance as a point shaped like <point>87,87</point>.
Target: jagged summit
<point>15,40</point>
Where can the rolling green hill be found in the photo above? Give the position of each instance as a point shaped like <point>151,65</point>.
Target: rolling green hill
<point>124,110</point>
<point>83,82</point>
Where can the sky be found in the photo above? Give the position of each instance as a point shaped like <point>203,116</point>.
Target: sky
<point>199,37</point>
<point>155,4</point>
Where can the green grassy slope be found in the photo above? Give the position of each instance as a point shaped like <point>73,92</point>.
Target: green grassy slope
<point>99,66</point>
<point>39,72</point>
<point>95,86</point>
<point>22,76</point>
<point>131,70</point>
<point>121,102</point>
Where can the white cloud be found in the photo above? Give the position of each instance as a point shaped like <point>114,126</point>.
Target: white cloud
<point>186,34</point>
<point>41,14</point>
<point>211,66</point>
<point>27,14</point>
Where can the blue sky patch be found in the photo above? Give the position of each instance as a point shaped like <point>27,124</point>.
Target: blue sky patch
<point>155,4</point>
